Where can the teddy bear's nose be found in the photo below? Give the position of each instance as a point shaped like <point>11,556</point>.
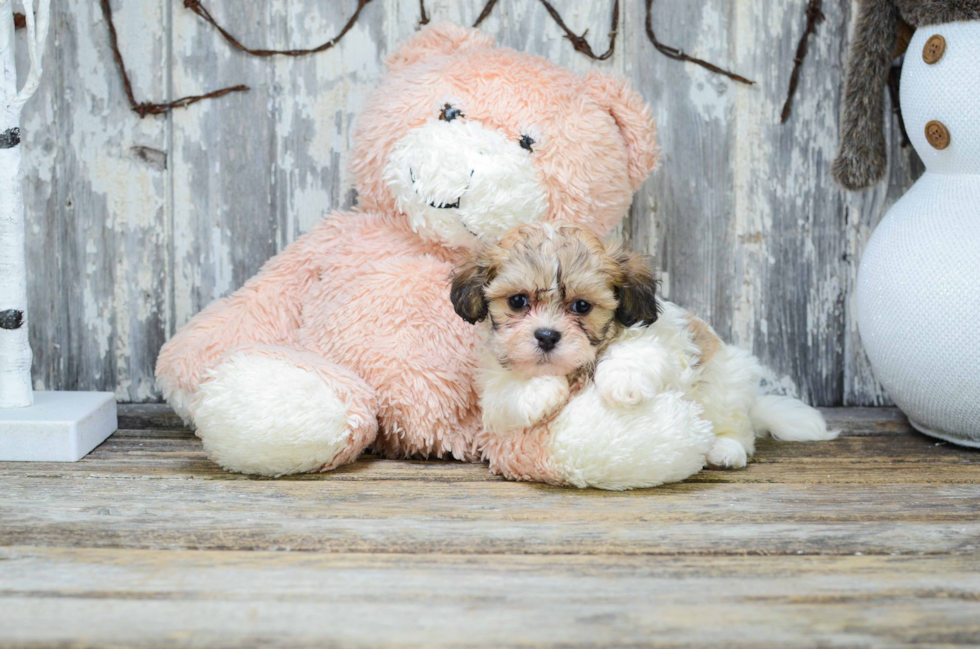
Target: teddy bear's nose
<point>547,338</point>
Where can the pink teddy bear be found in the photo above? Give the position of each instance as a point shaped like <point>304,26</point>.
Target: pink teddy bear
<point>348,340</point>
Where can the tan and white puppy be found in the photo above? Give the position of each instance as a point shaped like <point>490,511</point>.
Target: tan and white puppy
<point>563,311</point>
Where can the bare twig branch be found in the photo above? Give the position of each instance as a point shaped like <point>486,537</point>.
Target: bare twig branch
<point>579,42</point>
<point>200,10</point>
<point>814,16</point>
<point>679,55</point>
<point>487,8</point>
<point>145,109</point>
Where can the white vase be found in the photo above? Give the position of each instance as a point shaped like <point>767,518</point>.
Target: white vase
<point>918,287</point>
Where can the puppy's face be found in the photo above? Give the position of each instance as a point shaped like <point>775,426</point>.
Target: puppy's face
<point>554,296</point>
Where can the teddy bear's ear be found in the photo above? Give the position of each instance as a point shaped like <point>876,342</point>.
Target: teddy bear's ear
<point>635,120</point>
<point>437,39</point>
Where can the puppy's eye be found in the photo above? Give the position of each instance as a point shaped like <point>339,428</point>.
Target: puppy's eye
<point>581,307</point>
<point>449,113</point>
<point>527,142</point>
<point>517,302</point>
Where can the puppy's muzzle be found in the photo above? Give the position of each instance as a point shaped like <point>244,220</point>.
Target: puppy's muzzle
<point>547,339</point>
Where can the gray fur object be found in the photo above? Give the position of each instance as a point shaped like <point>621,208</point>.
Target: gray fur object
<point>863,154</point>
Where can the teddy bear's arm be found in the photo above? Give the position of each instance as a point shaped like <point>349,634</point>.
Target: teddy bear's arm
<point>266,310</point>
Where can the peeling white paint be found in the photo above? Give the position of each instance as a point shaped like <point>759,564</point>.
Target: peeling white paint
<point>248,173</point>
<point>221,256</point>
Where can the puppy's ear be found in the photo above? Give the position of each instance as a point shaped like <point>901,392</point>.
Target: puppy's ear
<point>638,291</point>
<point>468,280</point>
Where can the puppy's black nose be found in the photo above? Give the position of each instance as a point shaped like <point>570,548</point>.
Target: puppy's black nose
<point>547,338</point>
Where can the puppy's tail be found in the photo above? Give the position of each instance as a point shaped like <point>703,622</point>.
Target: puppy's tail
<point>789,420</point>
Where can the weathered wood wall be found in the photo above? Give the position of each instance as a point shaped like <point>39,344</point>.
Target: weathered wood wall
<point>135,225</point>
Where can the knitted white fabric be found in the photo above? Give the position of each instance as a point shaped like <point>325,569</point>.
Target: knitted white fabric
<point>918,289</point>
<point>947,91</point>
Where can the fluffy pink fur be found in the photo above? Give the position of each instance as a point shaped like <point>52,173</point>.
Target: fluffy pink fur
<point>521,456</point>
<point>595,139</point>
<point>525,455</point>
<point>368,297</point>
<point>360,397</point>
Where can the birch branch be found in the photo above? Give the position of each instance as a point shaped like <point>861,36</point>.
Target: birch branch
<point>37,35</point>
<point>15,349</point>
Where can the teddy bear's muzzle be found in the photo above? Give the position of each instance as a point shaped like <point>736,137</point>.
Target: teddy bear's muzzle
<point>459,180</point>
<point>441,205</point>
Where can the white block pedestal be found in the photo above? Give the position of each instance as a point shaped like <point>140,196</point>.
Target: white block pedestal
<point>59,427</point>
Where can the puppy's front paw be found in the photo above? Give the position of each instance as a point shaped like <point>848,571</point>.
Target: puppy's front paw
<point>620,384</point>
<point>543,397</point>
<point>727,454</point>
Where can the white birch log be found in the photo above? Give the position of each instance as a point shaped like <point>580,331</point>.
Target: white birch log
<point>15,349</point>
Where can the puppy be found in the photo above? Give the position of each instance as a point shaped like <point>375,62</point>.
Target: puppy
<point>563,310</point>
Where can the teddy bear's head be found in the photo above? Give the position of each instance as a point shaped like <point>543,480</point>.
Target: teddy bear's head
<point>468,140</point>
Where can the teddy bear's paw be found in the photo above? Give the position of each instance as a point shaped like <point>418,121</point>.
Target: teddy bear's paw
<point>727,454</point>
<point>179,400</point>
<point>264,415</point>
<point>543,397</point>
<point>663,439</point>
<point>620,384</point>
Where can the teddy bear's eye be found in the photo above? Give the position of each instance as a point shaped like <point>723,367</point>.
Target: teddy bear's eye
<point>527,142</point>
<point>449,113</point>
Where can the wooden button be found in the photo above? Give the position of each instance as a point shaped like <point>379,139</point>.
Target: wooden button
<point>934,49</point>
<point>937,134</point>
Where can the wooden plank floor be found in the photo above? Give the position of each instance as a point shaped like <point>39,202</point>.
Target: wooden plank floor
<point>871,540</point>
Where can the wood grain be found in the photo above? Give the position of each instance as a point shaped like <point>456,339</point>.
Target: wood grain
<point>684,213</point>
<point>492,517</point>
<point>223,226</point>
<point>137,224</point>
<point>879,489</point>
<point>97,238</point>
<point>292,599</point>
<point>877,447</point>
<point>865,459</point>
<point>872,540</point>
